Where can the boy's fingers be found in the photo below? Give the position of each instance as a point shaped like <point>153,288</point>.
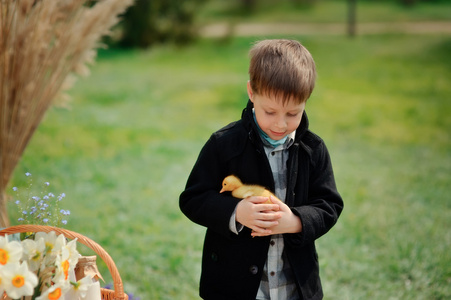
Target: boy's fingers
<point>263,203</point>
<point>265,226</point>
<point>261,232</point>
<point>269,216</point>
<point>269,207</point>
<point>274,200</point>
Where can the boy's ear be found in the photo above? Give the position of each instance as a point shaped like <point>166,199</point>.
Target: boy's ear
<point>249,91</point>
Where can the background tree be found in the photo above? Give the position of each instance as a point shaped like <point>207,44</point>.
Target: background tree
<point>150,22</point>
<point>249,6</point>
<point>352,11</point>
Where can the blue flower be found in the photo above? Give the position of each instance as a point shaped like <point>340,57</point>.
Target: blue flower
<point>65,212</point>
<point>38,207</point>
<point>132,297</point>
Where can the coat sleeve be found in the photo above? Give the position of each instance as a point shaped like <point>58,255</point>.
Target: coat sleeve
<point>201,201</point>
<point>324,204</point>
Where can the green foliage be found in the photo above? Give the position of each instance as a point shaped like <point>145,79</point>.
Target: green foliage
<point>151,22</point>
<point>123,152</point>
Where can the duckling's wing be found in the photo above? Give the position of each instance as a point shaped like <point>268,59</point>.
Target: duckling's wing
<point>245,191</point>
<point>266,193</point>
<point>248,193</point>
<point>253,190</point>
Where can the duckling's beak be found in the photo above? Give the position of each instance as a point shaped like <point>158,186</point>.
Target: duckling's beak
<point>222,190</point>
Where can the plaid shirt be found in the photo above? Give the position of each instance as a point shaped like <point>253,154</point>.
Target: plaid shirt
<point>277,282</point>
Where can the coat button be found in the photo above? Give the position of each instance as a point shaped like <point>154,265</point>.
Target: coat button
<point>214,257</point>
<point>253,269</point>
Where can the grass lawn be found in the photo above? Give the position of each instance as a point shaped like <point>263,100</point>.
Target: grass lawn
<point>123,152</point>
<point>325,11</point>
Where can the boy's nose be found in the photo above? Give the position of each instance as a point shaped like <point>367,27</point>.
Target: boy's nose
<point>281,123</point>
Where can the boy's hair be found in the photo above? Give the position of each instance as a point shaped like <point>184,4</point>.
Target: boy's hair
<point>282,68</point>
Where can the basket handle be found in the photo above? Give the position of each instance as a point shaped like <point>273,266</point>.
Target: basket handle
<point>118,287</point>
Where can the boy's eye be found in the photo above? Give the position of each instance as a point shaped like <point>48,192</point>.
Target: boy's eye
<point>269,113</point>
<point>292,115</point>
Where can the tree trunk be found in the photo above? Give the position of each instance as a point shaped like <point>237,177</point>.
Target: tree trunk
<point>352,4</point>
<point>249,6</point>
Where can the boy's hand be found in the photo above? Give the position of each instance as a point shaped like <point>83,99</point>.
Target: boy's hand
<point>287,223</point>
<point>254,214</point>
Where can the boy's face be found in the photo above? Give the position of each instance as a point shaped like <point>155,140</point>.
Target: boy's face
<point>274,117</point>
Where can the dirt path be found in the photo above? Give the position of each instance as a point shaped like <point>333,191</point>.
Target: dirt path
<point>261,29</point>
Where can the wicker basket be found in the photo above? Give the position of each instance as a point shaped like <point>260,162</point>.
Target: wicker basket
<point>118,292</point>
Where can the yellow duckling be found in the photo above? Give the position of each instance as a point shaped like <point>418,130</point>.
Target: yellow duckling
<point>240,190</point>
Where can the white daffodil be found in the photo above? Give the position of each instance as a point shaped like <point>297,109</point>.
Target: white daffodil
<point>79,289</point>
<point>2,281</point>
<point>33,252</point>
<point>53,242</point>
<point>10,251</point>
<point>18,280</point>
<point>53,245</point>
<point>62,265</point>
<point>71,247</point>
<point>55,292</point>
<point>66,261</point>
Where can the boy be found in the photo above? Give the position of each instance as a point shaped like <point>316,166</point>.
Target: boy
<point>254,250</point>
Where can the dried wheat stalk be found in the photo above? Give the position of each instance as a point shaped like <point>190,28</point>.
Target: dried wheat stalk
<point>42,44</point>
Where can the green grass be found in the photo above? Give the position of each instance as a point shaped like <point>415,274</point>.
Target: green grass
<point>324,11</point>
<point>123,152</point>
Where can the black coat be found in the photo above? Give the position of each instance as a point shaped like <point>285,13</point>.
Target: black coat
<point>232,264</point>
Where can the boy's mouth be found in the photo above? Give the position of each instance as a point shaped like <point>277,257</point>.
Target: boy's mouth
<point>278,134</point>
